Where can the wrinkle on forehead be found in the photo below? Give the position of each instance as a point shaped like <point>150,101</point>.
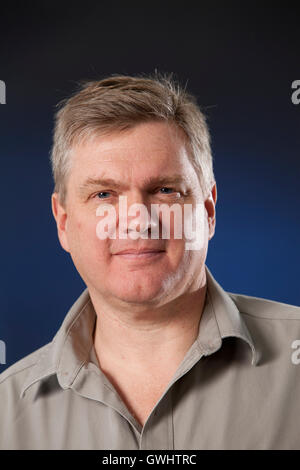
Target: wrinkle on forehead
<point>127,155</point>
<point>164,136</point>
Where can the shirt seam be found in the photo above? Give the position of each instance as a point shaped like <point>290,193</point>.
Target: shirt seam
<point>172,419</point>
<point>99,375</point>
<point>267,318</point>
<point>16,372</point>
<point>34,364</point>
<point>65,339</point>
<point>202,349</point>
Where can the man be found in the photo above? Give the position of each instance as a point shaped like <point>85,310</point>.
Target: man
<point>154,354</point>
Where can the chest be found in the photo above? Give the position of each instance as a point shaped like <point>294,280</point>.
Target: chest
<point>139,394</point>
<point>140,400</point>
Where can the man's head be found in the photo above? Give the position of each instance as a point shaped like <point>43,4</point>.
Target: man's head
<point>142,136</point>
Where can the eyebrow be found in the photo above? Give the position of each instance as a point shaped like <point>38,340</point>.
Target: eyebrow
<point>90,182</point>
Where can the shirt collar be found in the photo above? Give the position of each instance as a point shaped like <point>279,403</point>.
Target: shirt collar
<point>222,319</point>
<point>71,347</point>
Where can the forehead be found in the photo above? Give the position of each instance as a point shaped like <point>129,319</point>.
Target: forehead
<point>148,147</point>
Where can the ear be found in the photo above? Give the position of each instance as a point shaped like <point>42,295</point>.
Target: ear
<point>210,205</point>
<point>60,216</point>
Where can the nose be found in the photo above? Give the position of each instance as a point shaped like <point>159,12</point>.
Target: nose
<point>135,216</point>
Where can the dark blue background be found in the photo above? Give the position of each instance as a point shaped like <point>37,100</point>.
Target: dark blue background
<point>239,60</point>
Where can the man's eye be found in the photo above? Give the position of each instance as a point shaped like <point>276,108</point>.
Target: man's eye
<point>168,189</point>
<point>101,193</point>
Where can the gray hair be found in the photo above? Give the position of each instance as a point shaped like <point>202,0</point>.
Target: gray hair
<point>118,103</point>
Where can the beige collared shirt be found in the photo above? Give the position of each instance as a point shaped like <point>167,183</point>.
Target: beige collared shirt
<point>238,386</point>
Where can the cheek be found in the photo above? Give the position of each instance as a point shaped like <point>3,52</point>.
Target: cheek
<point>83,239</point>
<point>184,222</point>
<point>98,250</point>
<point>176,253</point>
<point>186,252</point>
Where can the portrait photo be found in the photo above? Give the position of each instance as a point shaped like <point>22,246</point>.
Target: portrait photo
<point>150,228</point>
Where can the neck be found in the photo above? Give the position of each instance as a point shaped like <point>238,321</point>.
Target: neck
<point>151,340</point>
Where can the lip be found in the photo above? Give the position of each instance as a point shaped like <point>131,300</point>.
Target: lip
<point>140,255</point>
<point>138,252</point>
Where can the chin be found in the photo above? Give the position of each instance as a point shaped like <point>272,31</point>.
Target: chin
<point>140,293</point>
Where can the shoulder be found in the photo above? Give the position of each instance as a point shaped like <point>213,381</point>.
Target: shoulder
<point>12,378</point>
<point>274,327</point>
<point>260,308</point>
<point>13,408</point>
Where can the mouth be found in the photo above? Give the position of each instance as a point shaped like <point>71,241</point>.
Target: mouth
<point>140,255</point>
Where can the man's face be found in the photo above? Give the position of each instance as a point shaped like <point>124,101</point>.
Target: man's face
<point>135,162</point>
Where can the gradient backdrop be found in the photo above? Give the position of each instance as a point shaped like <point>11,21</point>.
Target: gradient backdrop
<point>239,60</point>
